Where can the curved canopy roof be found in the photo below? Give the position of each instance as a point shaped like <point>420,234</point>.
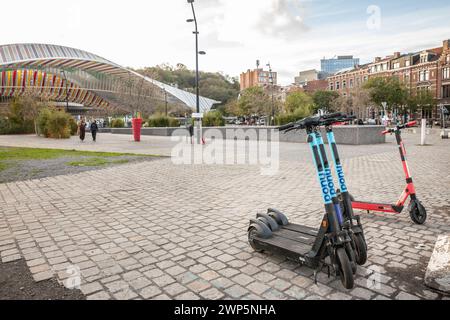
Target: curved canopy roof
<point>54,68</point>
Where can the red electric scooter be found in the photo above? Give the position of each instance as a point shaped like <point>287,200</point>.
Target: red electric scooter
<point>416,210</point>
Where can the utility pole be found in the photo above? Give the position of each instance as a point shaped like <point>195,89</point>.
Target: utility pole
<point>197,75</point>
<point>272,118</point>
<point>67,91</point>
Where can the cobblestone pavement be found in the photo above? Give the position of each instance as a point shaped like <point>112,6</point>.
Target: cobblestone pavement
<point>154,230</point>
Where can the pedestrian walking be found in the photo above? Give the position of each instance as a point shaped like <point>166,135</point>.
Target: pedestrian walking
<point>191,132</point>
<point>94,130</point>
<point>82,129</point>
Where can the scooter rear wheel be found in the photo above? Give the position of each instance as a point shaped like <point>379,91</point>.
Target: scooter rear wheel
<point>418,213</point>
<point>345,268</point>
<point>360,249</point>
<point>252,233</point>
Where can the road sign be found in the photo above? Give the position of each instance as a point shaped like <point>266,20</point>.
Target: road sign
<point>197,115</point>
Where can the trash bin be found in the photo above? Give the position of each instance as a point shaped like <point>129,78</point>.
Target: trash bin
<point>137,124</point>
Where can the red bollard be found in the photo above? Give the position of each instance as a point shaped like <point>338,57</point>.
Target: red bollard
<point>137,124</point>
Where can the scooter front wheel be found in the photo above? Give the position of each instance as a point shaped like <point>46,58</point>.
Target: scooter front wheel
<point>360,249</point>
<point>345,268</point>
<point>252,233</point>
<point>418,213</point>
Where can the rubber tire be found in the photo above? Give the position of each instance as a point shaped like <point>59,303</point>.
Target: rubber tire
<point>418,213</point>
<point>360,249</point>
<point>345,268</point>
<point>280,218</point>
<point>252,232</point>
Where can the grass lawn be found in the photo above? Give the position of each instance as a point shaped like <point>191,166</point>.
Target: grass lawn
<point>43,154</point>
<point>10,156</point>
<point>96,162</point>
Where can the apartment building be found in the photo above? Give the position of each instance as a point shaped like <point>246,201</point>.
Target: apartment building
<point>257,78</point>
<point>427,70</point>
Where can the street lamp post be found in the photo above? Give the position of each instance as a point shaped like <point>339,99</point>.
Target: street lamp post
<point>165,100</point>
<point>67,92</point>
<point>197,73</point>
<point>272,119</point>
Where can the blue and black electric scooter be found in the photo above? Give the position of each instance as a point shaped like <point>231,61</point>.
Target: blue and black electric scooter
<point>329,246</point>
<point>351,222</point>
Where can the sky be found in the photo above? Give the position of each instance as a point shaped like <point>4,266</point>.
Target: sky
<point>292,35</point>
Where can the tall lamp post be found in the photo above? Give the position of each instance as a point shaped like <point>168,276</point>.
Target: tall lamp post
<point>197,75</point>
<point>67,90</point>
<point>165,100</point>
<point>272,119</point>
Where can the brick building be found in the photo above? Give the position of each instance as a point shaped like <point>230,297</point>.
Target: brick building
<point>257,78</point>
<point>427,70</point>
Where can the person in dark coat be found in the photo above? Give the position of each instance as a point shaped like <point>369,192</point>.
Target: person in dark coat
<point>82,129</point>
<point>94,130</point>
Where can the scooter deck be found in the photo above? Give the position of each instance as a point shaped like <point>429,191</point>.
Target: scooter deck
<point>293,241</point>
<point>380,207</point>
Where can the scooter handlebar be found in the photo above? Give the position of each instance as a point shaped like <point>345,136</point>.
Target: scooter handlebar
<point>403,126</point>
<point>286,126</point>
<point>410,124</point>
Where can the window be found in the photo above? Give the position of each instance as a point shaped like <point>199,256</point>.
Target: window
<point>338,85</point>
<point>396,65</point>
<point>331,86</point>
<point>446,73</point>
<point>446,91</point>
<point>344,84</point>
<point>423,58</point>
<point>407,63</point>
<point>424,75</point>
<point>366,78</point>
<point>448,59</point>
<point>351,83</point>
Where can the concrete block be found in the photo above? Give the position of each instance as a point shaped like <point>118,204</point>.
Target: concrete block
<point>438,272</point>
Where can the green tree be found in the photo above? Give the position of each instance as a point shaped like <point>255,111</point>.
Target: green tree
<point>423,100</point>
<point>324,100</point>
<point>389,90</point>
<point>253,101</point>
<point>299,100</point>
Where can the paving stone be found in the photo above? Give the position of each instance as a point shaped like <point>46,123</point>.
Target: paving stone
<point>42,276</point>
<point>362,293</point>
<point>198,285</point>
<point>406,296</point>
<point>236,291</point>
<point>258,288</point>
<point>212,294</point>
<point>150,292</point>
<point>163,280</point>
<point>99,296</point>
<point>243,279</point>
<point>89,288</point>
<point>174,289</point>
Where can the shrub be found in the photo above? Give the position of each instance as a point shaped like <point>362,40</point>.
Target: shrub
<point>213,119</point>
<point>55,124</point>
<point>73,126</point>
<point>285,118</point>
<point>18,119</point>
<point>162,121</point>
<point>117,123</point>
<point>42,120</point>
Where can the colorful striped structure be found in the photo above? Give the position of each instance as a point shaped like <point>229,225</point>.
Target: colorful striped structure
<point>58,73</point>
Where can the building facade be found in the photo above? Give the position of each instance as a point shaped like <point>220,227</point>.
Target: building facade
<point>79,78</point>
<point>334,65</point>
<point>309,75</point>
<point>427,70</point>
<point>258,78</point>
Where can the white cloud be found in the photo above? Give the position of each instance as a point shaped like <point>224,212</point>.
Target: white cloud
<point>233,32</point>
